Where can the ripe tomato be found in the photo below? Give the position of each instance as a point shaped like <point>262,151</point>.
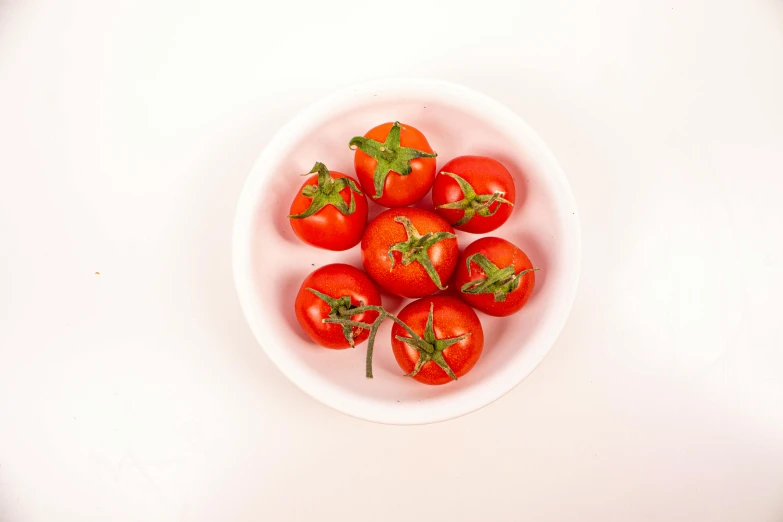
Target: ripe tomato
<point>450,339</point>
<point>495,276</point>
<point>329,211</point>
<point>409,251</point>
<point>474,193</point>
<point>342,288</point>
<point>395,164</point>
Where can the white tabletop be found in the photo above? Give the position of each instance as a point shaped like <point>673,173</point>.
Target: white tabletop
<point>132,390</point>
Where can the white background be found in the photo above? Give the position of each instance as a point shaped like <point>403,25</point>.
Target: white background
<point>126,132</point>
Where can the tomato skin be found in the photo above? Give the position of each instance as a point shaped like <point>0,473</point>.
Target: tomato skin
<point>502,253</point>
<point>329,228</point>
<point>451,318</point>
<point>411,280</point>
<point>398,191</point>
<point>335,280</point>
<point>487,176</point>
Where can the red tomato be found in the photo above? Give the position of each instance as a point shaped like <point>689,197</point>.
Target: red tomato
<point>495,276</point>
<point>395,164</point>
<point>329,211</point>
<point>450,339</point>
<point>409,251</point>
<point>344,287</point>
<point>474,193</point>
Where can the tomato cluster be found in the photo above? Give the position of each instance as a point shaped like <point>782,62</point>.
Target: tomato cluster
<point>410,252</point>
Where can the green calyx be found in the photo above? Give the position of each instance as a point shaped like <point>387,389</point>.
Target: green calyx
<point>390,156</point>
<point>473,203</point>
<point>430,348</point>
<point>499,281</point>
<point>414,249</point>
<point>342,309</point>
<point>327,192</point>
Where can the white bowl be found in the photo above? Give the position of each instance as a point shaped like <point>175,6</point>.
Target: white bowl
<point>270,262</point>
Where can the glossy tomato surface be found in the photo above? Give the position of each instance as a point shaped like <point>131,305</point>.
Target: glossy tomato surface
<point>411,280</point>
<point>398,190</point>
<point>452,318</point>
<point>329,228</point>
<point>487,177</point>
<point>335,280</point>
<point>500,253</point>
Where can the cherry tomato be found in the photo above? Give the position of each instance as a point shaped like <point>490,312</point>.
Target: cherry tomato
<point>474,193</point>
<point>450,339</point>
<point>409,251</point>
<point>495,276</point>
<point>395,164</point>
<point>329,211</point>
<point>341,288</point>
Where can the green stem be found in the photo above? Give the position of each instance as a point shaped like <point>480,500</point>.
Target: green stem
<point>372,327</point>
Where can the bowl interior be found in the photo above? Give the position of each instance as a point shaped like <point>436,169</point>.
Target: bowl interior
<point>270,262</point>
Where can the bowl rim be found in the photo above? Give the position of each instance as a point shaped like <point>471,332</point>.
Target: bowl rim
<point>243,223</point>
